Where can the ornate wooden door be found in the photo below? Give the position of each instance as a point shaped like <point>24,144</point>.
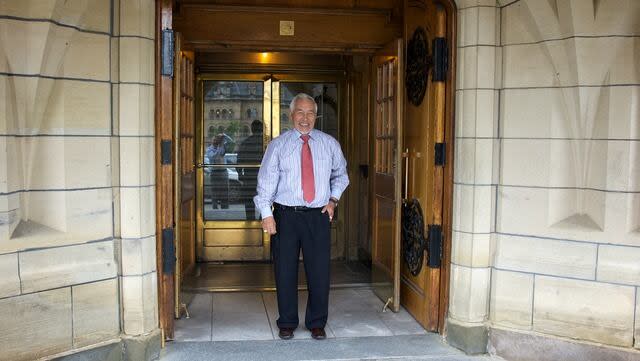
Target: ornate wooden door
<point>423,178</point>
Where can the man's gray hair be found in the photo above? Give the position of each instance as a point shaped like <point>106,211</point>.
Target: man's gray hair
<point>302,96</point>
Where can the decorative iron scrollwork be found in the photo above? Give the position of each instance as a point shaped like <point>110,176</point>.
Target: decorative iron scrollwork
<point>419,62</point>
<point>413,239</point>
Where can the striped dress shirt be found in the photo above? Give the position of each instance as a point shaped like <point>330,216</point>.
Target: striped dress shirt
<point>280,175</point>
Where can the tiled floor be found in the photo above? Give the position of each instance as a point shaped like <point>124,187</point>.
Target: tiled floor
<point>235,316</point>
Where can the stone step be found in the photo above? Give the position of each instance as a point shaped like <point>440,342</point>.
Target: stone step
<point>384,348</point>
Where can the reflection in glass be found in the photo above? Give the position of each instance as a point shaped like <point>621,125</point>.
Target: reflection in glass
<point>233,136</point>
<point>325,95</point>
<point>229,192</point>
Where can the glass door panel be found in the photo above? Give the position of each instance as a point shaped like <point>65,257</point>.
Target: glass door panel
<point>233,125</point>
<point>239,115</point>
<point>325,95</point>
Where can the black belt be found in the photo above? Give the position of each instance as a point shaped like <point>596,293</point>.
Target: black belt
<point>295,208</point>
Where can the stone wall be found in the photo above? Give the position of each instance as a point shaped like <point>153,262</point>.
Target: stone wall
<point>547,182</point>
<point>77,212</point>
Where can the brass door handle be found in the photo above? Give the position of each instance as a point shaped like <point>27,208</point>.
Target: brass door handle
<point>199,165</point>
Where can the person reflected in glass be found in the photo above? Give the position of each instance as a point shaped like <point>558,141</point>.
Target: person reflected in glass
<point>228,142</point>
<point>250,152</point>
<point>219,177</point>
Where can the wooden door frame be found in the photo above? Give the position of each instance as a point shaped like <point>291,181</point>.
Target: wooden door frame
<point>449,137</point>
<point>164,172</point>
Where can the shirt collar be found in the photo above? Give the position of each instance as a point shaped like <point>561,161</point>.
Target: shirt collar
<point>298,133</point>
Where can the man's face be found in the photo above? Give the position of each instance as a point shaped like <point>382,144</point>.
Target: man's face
<point>303,115</point>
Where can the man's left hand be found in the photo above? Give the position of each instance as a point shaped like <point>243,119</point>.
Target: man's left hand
<point>329,208</point>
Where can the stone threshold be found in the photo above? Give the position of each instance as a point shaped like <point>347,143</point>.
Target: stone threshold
<point>409,347</point>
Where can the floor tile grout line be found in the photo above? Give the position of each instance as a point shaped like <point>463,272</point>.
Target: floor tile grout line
<point>309,339</point>
<point>264,304</point>
<point>211,331</point>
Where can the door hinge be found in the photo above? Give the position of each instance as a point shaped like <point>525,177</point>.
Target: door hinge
<point>434,246</point>
<point>440,59</point>
<point>165,151</point>
<point>168,251</point>
<point>440,154</point>
<point>167,52</point>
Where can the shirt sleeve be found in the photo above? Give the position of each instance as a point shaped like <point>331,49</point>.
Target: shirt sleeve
<point>339,176</point>
<point>268,176</point>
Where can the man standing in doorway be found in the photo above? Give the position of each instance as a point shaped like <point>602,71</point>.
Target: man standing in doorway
<point>302,175</point>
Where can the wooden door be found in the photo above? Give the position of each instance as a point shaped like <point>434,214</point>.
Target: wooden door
<point>184,136</point>
<point>388,108</point>
<point>423,129</point>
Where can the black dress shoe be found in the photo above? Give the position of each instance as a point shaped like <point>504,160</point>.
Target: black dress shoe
<point>286,333</point>
<point>318,333</point>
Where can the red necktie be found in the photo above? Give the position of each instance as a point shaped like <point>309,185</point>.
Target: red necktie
<point>308,185</point>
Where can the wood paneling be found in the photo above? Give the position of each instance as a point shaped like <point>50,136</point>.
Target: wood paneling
<point>358,148</point>
<point>236,27</point>
<point>184,174</point>
<point>449,131</point>
<point>164,172</point>
<point>394,5</point>
<point>388,113</point>
<point>424,127</point>
<point>278,62</point>
<point>433,277</point>
<point>234,237</point>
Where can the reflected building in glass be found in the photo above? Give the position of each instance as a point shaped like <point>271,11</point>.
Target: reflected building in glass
<point>233,144</point>
<point>325,95</point>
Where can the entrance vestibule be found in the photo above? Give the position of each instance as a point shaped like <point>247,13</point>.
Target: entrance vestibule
<point>230,99</point>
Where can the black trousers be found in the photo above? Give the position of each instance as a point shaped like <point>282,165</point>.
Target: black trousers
<point>308,230</point>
